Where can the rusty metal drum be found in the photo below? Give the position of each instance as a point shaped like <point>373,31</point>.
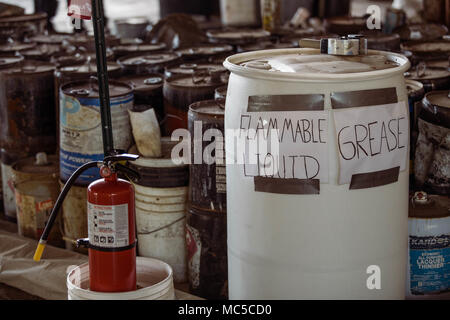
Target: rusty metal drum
<point>206,243</point>
<point>27,114</point>
<point>208,176</point>
<point>432,156</point>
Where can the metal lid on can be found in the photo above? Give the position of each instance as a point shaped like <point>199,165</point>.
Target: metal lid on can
<point>213,108</point>
<point>378,40</point>
<point>237,36</point>
<point>9,61</point>
<point>205,50</point>
<point>41,164</point>
<point>143,83</point>
<point>263,45</point>
<point>148,59</point>
<point>200,79</point>
<point>136,48</point>
<point>345,25</point>
<point>422,32</point>
<point>130,41</point>
<point>88,68</point>
<point>32,67</point>
<point>40,51</point>
<point>424,206</point>
<point>89,89</point>
<point>16,46</point>
<point>436,108</point>
<point>423,72</point>
<point>191,68</point>
<point>23,18</point>
<point>50,39</point>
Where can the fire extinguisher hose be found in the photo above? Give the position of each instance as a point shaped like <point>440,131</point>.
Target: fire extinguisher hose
<point>43,240</point>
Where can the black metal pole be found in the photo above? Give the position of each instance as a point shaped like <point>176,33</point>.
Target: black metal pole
<point>98,21</point>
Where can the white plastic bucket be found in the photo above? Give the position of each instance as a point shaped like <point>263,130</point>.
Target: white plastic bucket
<point>160,221</point>
<point>154,278</point>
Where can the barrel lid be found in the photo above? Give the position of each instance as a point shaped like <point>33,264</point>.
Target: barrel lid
<point>165,161</point>
<point>30,165</point>
<point>439,98</point>
<point>205,50</point>
<point>9,61</point>
<point>430,46</point>
<point>427,73</point>
<point>149,59</point>
<point>433,207</point>
<point>307,64</point>
<point>130,41</point>
<point>50,39</point>
<point>88,68</point>
<point>147,82</point>
<point>140,47</point>
<point>200,79</point>
<point>215,108</point>
<point>16,46</point>
<point>82,39</point>
<point>262,45</point>
<point>68,60</point>
<point>87,89</point>
<point>422,32</point>
<point>191,68</point>
<point>237,35</point>
<point>41,50</point>
<point>32,67</point>
<point>23,18</point>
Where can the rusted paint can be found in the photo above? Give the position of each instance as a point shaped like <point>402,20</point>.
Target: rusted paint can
<point>126,50</point>
<point>74,217</point>
<point>9,201</point>
<point>429,247</point>
<point>431,78</point>
<point>161,197</point>
<point>415,96</point>
<point>147,63</point>
<point>181,91</point>
<point>9,61</point>
<point>192,68</point>
<point>80,126</point>
<point>204,52</point>
<point>206,242</point>
<point>27,114</point>
<point>429,50</point>
<point>432,157</point>
<point>34,201</point>
<point>20,27</point>
<point>208,175</point>
<point>148,91</point>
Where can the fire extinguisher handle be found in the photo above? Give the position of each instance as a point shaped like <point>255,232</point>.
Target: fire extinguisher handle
<point>132,174</point>
<point>120,157</point>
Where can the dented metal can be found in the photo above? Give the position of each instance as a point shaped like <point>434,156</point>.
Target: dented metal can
<point>206,243</point>
<point>208,174</point>
<point>80,126</point>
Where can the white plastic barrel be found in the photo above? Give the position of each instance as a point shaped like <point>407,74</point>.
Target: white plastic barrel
<point>154,282</point>
<point>333,245</point>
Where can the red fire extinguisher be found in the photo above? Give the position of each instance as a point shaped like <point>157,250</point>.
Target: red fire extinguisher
<point>111,226</point>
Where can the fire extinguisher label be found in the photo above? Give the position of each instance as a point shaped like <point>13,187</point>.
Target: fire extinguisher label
<point>108,225</point>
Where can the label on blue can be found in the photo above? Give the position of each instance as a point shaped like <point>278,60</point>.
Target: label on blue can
<point>429,259</point>
<point>81,135</point>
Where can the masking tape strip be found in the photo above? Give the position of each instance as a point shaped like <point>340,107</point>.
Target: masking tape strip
<point>374,179</point>
<point>287,186</point>
<point>363,98</point>
<point>298,102</point>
